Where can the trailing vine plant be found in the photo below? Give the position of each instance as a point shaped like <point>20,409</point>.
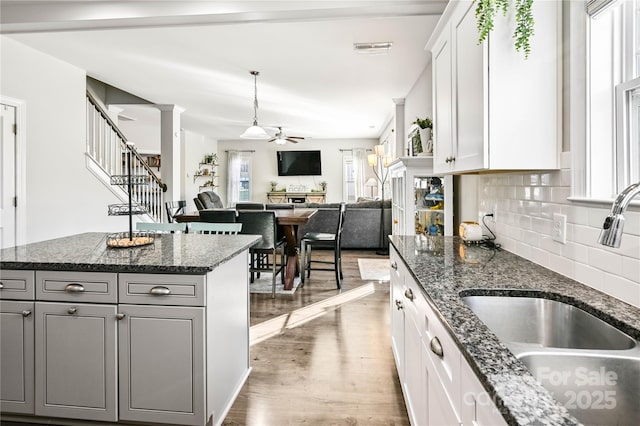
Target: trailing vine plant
<point>486,11</point>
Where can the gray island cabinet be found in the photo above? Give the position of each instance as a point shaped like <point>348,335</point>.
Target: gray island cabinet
<point>156,334</point>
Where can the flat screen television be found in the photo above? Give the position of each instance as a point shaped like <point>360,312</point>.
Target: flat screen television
<point>299,163</point>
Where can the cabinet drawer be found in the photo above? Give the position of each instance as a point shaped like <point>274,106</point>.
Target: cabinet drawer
<point>447,364</point>
<point>17,285</point>
<point>162,289</point>
<point>95,287</point>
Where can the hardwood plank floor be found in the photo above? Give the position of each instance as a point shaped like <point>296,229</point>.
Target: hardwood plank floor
<point>335,369</point>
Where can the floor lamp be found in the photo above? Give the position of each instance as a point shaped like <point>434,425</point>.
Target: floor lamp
<point>379,163</point>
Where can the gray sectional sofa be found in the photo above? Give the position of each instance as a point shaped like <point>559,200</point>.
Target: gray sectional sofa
<point>361,224</point>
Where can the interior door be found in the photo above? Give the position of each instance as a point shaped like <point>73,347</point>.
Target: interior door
<point>7,176</point>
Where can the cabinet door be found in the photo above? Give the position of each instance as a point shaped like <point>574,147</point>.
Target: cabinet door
<point>415,395</point>
<point>161,354</point>
<point>477,407</point>
<point>441,411</point>
<point>397,314</point>
<point>470,90</point>
<point>76,361</point>
<point>442,102</point>
<point>16,357</point>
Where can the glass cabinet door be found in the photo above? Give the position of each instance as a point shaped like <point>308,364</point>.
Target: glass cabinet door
<point>429,205</point>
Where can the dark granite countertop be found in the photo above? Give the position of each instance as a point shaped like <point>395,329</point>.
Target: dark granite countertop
<point>447,268</point>
<point>169,254</point>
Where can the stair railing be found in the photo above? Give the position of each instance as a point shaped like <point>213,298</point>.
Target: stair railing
<point>107,146</point>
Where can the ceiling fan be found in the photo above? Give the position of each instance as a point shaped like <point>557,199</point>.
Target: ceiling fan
<point>281,138</point>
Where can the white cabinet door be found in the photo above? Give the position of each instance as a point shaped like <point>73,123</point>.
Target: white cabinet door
<point>397,314</point>
<point>441,409</point>
<point>16,357</point>
<point>414,384</point>
<point>442,102</point>
<point>75,361</point>
<point>162,367</point>
<point>477,407</point>
<point>470,90</point>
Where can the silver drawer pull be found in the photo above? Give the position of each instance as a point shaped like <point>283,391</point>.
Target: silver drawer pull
<point>120,316</point>
<point>409,294</point>
<point>394,265</point>
<point>399,304</point>
<point>26,313</point>
<point>1,285</point>
<point>74,288</point>
<point>160,291</point>
<point>72,311</point>
<point>436,347</point>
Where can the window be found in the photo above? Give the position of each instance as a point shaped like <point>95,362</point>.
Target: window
<point>612,151</point>
<point>238,176</point>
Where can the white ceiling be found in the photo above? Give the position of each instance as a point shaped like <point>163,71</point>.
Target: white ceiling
<point>197,54</point>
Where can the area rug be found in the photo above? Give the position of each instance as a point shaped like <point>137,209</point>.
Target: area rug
<point>374,269</point>
<point>263,285</point>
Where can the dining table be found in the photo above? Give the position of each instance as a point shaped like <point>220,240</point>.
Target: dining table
<point>288,220</point>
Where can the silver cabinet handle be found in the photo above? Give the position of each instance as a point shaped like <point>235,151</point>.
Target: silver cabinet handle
<point>72,311</point>
<point>409,294</point>
<point>26,313</point>
<point>436,347</point>
<point>120,316</point>
<point>160,291</point>
<point>394,265</point>
<point>399,304</point>
<point>74,288</point>
<point>1,285</point>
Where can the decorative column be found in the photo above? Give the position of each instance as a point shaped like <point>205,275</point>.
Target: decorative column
<point>170,170</point>
<point>399,149</point>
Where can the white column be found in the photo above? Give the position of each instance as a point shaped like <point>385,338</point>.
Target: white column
<point>399,146</point>
<point>170,166</point>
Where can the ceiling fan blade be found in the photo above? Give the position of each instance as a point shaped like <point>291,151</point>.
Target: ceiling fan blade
<point>292,140</point>
<point>296,137</point>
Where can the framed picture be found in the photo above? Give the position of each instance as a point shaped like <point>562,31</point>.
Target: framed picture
<point>415,145</point>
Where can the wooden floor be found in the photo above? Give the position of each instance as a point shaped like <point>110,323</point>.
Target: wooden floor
<point>333,366</point>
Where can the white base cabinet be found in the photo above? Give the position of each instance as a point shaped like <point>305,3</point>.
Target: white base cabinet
<point>439,387</point>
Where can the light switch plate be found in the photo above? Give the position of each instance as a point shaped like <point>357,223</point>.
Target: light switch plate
<point>559,231</point>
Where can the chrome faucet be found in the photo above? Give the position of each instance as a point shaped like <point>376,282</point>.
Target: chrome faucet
<point>611,233</point>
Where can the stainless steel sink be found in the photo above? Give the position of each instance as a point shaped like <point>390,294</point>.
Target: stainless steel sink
<point>596,389</point>
<point>546,323</point>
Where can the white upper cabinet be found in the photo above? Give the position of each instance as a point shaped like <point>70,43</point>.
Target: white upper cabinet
<point>493,108</point>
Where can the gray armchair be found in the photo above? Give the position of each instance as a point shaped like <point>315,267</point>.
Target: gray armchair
<point>210,200</point>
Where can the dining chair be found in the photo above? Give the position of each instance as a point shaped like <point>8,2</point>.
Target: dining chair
<point>326,241</point>
<point>215,228</point>
<point>161,228</point>
<point>218,216</point>
<point>279,206</point>
<point>264,223</point>
<point>249,206</point>
<point>174,208</point>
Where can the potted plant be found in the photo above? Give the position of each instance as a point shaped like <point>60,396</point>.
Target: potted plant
<point>273,186</point>
<point>425,125</point>
<point>323,186</point>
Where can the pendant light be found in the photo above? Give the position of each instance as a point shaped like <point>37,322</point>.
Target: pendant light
<point>255,131</point>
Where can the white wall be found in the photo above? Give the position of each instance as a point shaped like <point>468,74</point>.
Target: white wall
<point>62,196</point>
<point>265,168</point>
<point>144,132</point>
<point>194,148</point>
<point>418,102</point>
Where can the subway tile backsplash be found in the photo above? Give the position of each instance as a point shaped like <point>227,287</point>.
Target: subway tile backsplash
<point>523,205</point>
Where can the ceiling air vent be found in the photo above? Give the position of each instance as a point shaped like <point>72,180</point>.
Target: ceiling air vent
<point>380,48</point>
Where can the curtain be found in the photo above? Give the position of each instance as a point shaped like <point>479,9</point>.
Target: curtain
<point>359,164</point>
<point>238,177</point>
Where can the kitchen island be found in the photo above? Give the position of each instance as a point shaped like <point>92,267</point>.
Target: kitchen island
<point>154,334</point>
<point>472,376</point>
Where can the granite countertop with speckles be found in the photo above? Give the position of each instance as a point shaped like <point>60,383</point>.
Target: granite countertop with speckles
<point>169,254</point>
<point>447,268</point>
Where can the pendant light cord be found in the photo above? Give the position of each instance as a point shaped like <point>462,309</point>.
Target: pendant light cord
<point>255,97</point>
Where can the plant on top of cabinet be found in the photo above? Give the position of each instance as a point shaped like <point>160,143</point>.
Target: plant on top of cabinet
<point>486,11</point>
<point>423,123</point>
